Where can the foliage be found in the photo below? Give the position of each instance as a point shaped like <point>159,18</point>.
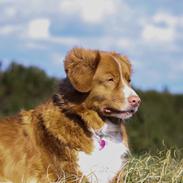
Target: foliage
<point>23,87</point>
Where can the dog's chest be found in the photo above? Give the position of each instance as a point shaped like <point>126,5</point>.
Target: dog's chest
<point>104,162</point>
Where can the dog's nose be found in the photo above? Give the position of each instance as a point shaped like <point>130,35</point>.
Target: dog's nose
<point>134,100</point>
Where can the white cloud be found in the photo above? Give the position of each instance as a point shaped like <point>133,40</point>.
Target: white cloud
<point>91,11</point>
<point>35,33</point>
<point>35,30</point>
<point>152,33</point>
<point>162,28</point>
<point>39,29</point>
<point>166,18</point>
<point>9,29</point>
<point>10,12</point>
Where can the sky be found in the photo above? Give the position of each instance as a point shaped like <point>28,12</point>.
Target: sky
<point>150,33</point>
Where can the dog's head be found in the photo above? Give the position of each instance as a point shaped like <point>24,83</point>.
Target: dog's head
<point>106,77</point>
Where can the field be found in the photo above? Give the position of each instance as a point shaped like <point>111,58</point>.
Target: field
<point>165,167</point>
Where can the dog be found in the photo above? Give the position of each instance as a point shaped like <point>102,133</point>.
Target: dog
<point>79,134</point>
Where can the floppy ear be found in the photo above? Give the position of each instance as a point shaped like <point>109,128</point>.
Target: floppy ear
<point>80,65</point>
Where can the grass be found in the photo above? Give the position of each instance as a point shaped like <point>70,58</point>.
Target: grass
<point>165,167</point>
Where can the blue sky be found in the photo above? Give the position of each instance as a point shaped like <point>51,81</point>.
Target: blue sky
<point>150,33</point>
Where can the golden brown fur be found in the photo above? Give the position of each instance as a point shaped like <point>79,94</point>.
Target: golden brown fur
<point>42,144</point>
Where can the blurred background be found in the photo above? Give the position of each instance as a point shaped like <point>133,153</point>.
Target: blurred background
<point>36,35</point>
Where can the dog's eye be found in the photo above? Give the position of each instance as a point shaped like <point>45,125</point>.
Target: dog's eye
<point>129,80</point>
<point>110,79</point>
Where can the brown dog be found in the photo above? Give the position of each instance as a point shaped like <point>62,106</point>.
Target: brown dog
<point>79,134</point>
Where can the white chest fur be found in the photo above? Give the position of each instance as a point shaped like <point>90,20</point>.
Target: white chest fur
<point>103,164</point>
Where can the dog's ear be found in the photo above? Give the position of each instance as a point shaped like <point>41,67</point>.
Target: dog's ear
<point>80,65</point>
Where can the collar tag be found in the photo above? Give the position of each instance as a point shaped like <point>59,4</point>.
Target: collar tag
<point>102,144</point>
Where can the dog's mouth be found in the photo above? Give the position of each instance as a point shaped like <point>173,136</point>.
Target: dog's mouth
<point>118,115</point>
<point>115,111</point>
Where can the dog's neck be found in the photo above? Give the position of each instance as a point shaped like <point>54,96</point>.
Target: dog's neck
<point>110,131</point>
